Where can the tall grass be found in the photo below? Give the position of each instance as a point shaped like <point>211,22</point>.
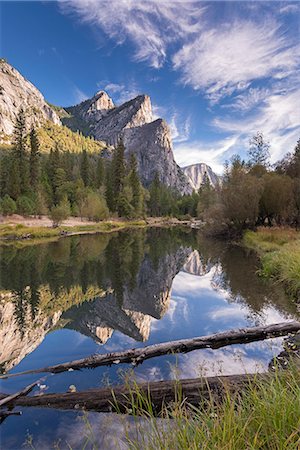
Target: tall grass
<point>22,232</point>
<point>279,250</point>
<point>264,416</point>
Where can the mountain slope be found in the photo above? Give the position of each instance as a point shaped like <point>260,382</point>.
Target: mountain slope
<point>98,119</point>
<point>133,121</point>
<point>196,173</point>
<point>17,92</point>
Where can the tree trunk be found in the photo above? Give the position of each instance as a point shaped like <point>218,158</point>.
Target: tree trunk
<point>137,356</point>
<point>119,398</point>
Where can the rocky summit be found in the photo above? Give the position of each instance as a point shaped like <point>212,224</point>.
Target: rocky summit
<point>150,140</point>
<point>17,92</point>
<point>133,122</point>
<point>196,174</point>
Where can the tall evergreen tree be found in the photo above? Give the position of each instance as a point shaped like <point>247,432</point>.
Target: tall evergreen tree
<point>100,173</point>
<point>34,161</point>
<point>136,187</point>
<point>20,152</point>
<point>259,150</point>
<point>119,170</point>
<point>109,191</point>
<point>85,168</point>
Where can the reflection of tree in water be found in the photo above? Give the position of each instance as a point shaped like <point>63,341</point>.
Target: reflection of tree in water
<point>237,273</point>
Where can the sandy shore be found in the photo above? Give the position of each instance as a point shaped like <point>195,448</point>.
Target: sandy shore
<point>44,221</point>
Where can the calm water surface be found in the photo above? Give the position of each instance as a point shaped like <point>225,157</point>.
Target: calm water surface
<point>96,294</point>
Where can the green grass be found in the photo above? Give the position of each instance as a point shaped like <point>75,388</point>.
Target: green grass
<point>264,416</point>
<point>23,234</point>
<point>279,250</point>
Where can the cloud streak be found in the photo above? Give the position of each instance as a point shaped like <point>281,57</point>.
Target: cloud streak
<point>151,26</point>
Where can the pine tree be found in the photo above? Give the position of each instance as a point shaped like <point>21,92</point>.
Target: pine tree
<point>85,168</point>
<point>118,167</point>
<point>100,173</point>
<point>53,164</point>
<point>34,159</point>
<point>259,150</point>
<point>20,152</point>
<point>136,187</point>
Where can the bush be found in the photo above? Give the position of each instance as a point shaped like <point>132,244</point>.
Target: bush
<point>60,212</point>
<point>95,207</point>
<point>8,206</point>
<point>25,205</point>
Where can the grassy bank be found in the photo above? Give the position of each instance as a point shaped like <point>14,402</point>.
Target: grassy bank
<point>279,250</point>
<point>264,416</point>
<point>24,233</point>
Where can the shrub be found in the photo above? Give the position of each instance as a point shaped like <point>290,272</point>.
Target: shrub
<point>60,212</point>
<point>25,205</point>
<point>8,206</point>
<point>95,207</point>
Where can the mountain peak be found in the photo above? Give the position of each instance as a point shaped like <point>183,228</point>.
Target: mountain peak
<point>195,174</point>
<point>17,92</point>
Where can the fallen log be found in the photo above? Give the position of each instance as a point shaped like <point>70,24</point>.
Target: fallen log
<point>137,356</point>
<point>160,393</point>
<point>6,401</point>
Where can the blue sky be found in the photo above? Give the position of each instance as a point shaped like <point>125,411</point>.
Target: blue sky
<point>216,71</point>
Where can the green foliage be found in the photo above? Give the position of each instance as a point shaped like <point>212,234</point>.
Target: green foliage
<point>263,415</point>
<point>279,249</point>
<point>8,206</point>
<point>94,207</point>
<point>67,140</point>
<point>207,197</point>
<point>60,212</point>
<point>277,197</point>
<point>25,205</point>
<point>259,150</point>
<point>34,162</point>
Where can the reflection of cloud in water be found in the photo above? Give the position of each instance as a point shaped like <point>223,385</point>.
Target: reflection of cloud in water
<point>188,284</point>
<point>96,430</point>
<point>250,358</point>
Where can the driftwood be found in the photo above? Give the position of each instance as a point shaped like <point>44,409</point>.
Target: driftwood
<point>137,356</point>
<point>119,398</point>
<point>6,401</point>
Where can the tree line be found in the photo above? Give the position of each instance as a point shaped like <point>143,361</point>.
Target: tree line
<point>253,192</point>
<point>85,184</point>
<point>64,183</point>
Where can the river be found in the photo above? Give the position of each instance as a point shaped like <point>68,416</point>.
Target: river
<point>83,295</point>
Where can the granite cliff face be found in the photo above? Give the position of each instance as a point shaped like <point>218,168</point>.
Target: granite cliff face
<point>195,174</point>
<point>131,316</point>
<point>17,92</point>
<point>133,122</point>
<point>98,117</point>
<point>16,343</point>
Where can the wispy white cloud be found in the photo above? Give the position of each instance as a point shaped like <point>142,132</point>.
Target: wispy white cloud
<point>119,91</point>
<point>214,154</point>
<point>78,95</point>
<point>245,61</point>
<point>152,26</point>
<point>278,118</point>
<point>180,128</point>
<point>290,8</point>
<point>228,58</point>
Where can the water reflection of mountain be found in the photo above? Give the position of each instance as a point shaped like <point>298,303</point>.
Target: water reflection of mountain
<point>149,297</point>
<point>94,284</point>
<point>98,284</point>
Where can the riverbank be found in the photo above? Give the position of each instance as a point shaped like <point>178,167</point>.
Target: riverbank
<point>33,229</point>
<point>279,251</point>
<point>252,418</point>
